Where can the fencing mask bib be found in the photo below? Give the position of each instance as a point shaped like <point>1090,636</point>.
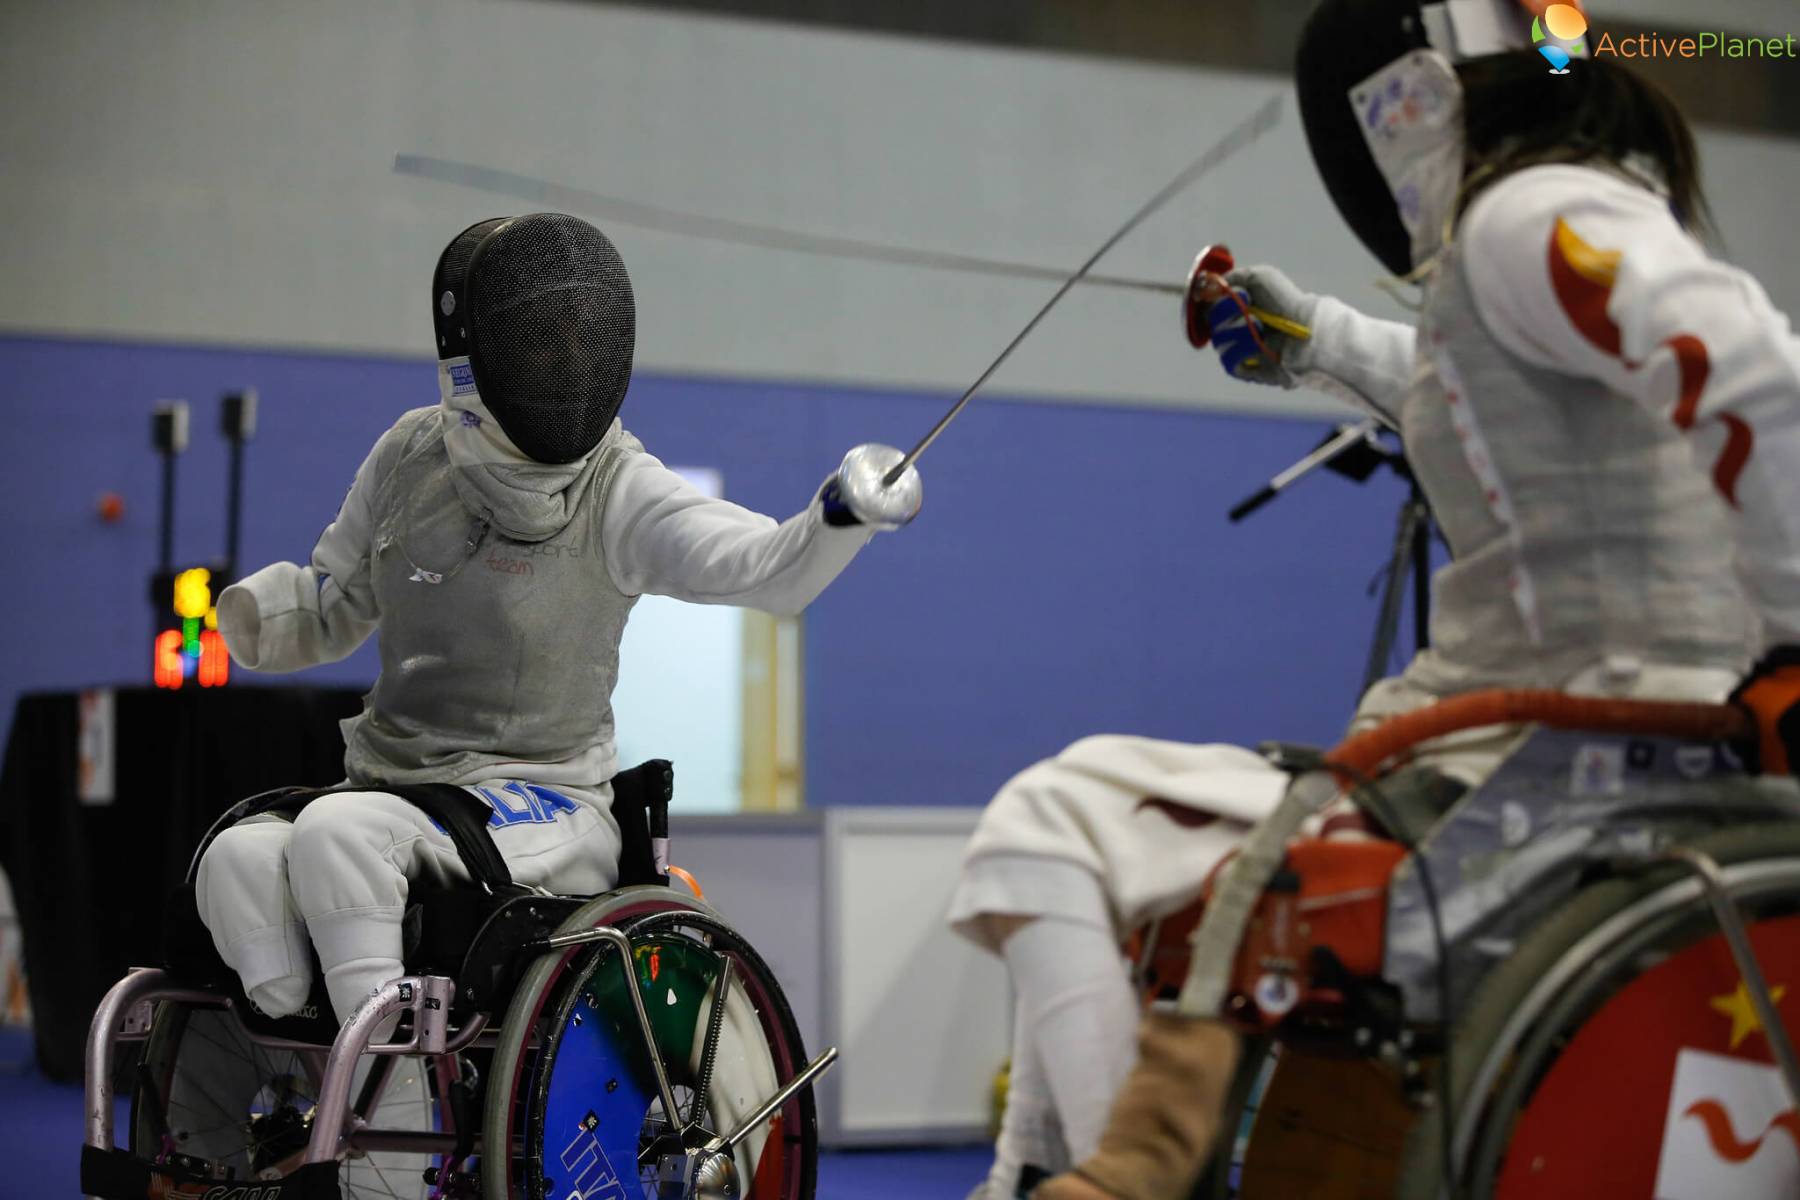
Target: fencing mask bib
<point>1383,109</point>
<point>535,313</point>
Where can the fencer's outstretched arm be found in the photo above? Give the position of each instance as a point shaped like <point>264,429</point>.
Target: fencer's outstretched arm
<point>663,537</point>
<point>1362,360</point>
<point>1585,272</point>
<point>286,616</point>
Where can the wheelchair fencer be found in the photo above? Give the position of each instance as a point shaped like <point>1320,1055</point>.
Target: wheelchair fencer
<point>624,1045</point>
<point>1565,982</point>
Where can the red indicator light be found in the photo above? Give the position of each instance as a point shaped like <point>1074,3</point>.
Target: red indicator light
<point>166,669</point>
<point>215,660</point>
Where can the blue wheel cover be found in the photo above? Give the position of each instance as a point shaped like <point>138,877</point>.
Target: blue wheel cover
<point>594,1110</point>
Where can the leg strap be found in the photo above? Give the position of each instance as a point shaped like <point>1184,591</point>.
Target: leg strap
<point>458,812</point>
<point>464,816</point>
<point>114,1174</point>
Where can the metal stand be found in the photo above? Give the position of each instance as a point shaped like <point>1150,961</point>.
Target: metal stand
<point>1357,452</point>
<point>1411,555</point>
<point>169,437</point>
<point>237,421</point>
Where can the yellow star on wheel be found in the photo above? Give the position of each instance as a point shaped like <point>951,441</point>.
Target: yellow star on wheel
<point>1737,1006</point>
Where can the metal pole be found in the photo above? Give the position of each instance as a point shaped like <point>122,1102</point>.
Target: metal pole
<point>772,1105</point>
<point>1421,567</point>
<point>1731,924</point>
<point>1387,624</point>
<point>234,507</point>
<point>1347,438</point>
<point>166,523</point>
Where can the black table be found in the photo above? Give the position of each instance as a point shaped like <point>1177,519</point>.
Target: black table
<point>89,880</point>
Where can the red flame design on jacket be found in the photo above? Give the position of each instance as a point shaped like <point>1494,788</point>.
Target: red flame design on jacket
<point>1583,278</point>
<point>1724,1138</point>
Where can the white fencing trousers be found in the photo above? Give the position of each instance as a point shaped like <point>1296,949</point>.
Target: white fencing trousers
<point>1074,1042</point>
<point>340,872</point>
<point>1145,818</point>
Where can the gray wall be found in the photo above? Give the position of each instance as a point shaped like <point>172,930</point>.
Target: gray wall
<point>221,172</point>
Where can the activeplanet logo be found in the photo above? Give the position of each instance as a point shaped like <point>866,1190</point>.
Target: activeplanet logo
<point>1566,24</point>
<point>1699,45</point>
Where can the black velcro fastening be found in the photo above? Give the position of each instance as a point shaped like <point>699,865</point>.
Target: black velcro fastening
<point>464,816</point>
<point>115,1175</point>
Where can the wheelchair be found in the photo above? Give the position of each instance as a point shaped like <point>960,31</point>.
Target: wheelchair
<point>1566,982</point>
<point>624,1045</point>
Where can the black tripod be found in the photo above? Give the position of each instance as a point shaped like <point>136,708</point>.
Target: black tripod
<point>1357,452</point>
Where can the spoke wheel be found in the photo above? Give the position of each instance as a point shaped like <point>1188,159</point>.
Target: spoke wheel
<point>1636,958</point>
<point>207,1092</point>
<point>585,1114</point>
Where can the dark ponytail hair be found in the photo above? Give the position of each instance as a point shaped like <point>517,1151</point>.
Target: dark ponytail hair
<point>1518,115</point>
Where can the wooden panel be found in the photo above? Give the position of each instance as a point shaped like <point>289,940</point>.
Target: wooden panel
<point>1328,1129</point>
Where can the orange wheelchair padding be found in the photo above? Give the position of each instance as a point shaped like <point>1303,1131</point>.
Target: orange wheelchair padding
<point>1333,1121</point>
<point>1331,894</point>
<point>1362,756</point>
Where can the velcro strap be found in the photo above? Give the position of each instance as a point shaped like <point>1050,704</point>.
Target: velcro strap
<point>458,812</point>
<point>464,816</point>
<point>115,1175</point>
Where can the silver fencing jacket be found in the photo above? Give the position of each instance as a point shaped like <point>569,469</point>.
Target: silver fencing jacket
<point>501,588</point>
<point>1579,529</point>
<point>1606,420</point>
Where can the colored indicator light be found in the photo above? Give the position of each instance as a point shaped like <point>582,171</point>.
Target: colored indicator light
<point>215,660</point>
<point>193,595</point>
<point>167,661</point>
<point>190,636</point>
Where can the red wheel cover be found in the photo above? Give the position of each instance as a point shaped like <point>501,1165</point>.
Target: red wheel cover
<point>1669,1090</point>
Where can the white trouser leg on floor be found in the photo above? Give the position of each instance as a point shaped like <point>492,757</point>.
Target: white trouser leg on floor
<point>1029,1131</point>
<point>353,854</point>
<point>1081,1017</point>
<point>242,893</point>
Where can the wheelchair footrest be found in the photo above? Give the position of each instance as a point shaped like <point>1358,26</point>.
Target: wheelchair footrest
<point>117,1175</point>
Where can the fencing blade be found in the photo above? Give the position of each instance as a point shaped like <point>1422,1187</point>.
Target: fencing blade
<point>562,197</point>
<point>1239,136</point>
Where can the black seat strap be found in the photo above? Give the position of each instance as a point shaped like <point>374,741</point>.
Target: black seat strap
<point>458,812</point>
<point>464,816</point>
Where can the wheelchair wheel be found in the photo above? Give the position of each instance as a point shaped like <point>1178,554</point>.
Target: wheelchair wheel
<point>207,1092</point>
<point>583,1113</point>
<point>1615,1053</point>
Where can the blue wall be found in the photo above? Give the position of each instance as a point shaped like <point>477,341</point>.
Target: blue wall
<point>1072,571</point>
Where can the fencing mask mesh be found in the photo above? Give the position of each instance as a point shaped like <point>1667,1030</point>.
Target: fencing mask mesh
<point>542,307</point>
<point>1344,43</point>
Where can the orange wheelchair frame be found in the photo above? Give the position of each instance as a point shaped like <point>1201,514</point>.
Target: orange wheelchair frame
<point>1362,1083</point>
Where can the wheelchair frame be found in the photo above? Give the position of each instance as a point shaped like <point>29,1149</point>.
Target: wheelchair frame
<point>1234,954</point>
<point>127,1014</point>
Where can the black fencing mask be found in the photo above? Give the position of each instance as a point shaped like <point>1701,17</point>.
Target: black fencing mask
<point>1383,110</point>
<point>541,308</point>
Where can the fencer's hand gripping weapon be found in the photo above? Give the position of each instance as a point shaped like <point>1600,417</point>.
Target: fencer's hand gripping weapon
<point>1239,136</point>
<point>1207,285</point>
<point>877,483</point>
